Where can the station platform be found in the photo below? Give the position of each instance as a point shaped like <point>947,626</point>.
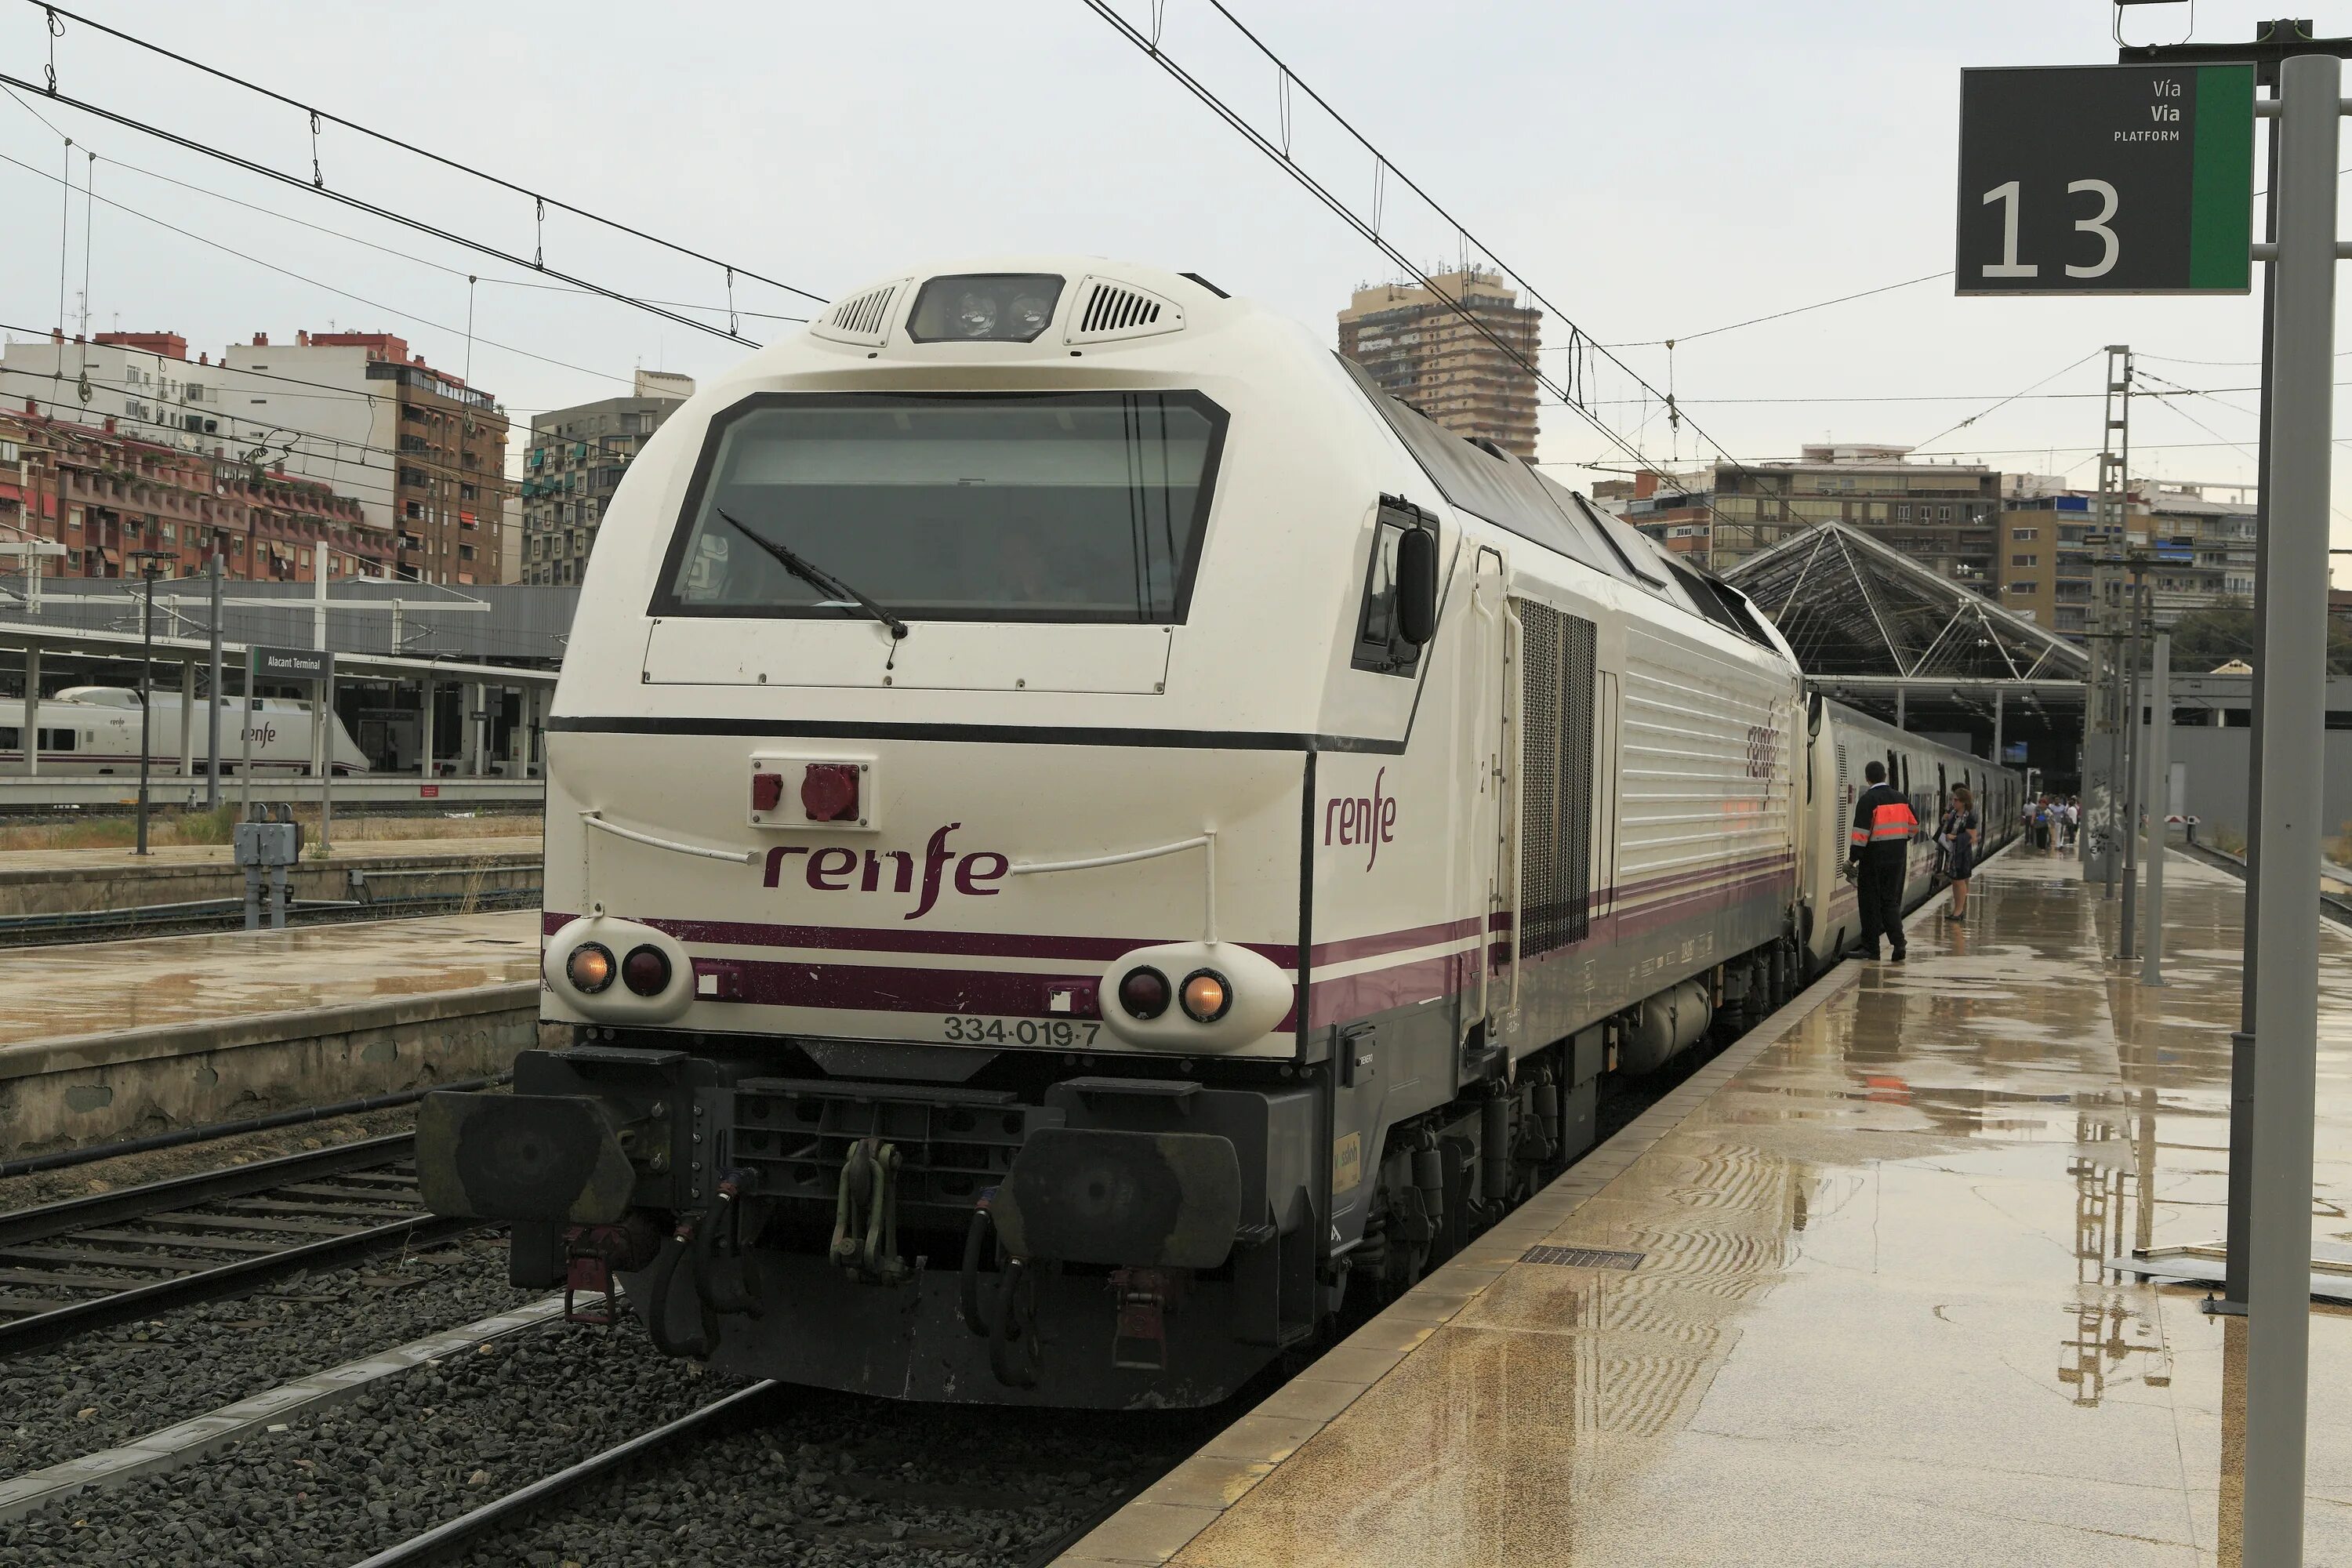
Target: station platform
<point>1858,1293</point>
<point>105,1040</point>
<point>39,885</point>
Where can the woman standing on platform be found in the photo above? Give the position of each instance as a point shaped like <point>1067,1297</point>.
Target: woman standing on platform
<point>1960,836</point>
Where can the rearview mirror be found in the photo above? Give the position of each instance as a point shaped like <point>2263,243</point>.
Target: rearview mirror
<point>1416,585</point>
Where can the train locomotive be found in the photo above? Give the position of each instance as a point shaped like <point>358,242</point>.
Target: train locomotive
<point>1078,831</point>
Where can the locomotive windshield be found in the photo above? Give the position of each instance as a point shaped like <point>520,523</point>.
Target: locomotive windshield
<point>1015,507</point>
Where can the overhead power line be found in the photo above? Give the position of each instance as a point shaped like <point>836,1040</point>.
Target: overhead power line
<point>329,117</point>
<point>375,209</point>
<point>1581,345</point>
<point>329,288</point>
<point>1779,315</point>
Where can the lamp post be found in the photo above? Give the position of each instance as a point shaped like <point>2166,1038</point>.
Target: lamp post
<point>147,560</point>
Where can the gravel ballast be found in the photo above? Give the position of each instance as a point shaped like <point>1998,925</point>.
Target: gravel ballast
<point>804,1479</point>
<point>103,1388</point>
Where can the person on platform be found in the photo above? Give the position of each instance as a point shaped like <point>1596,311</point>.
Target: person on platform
<point>1959,836</point>
<point>1883,826</point>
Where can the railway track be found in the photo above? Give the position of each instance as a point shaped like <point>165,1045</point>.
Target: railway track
<point>2335,906</point>
<point>86,1263</point>
<point>444,1540</point>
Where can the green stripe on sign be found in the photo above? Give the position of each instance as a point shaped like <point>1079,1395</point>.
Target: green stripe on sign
<point>2221,193</point>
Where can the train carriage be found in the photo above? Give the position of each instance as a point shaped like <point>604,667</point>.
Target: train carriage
<point>1078,830</point>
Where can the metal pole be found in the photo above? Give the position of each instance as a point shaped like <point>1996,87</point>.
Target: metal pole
<point>188,717</point>
<point>1996,715</point>
<point>213,697</point>
<point>1899,723</point>
<point>2135,746</point>
<point>2239,1249</point>
<point>2159,778</point>
<point>245,726</point>
<point>327,754</point>
<point>2294,659</point>
<point>31,734</point>
<point>146,706</point>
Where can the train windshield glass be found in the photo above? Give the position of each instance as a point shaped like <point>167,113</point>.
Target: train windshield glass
<point>1061,506</point>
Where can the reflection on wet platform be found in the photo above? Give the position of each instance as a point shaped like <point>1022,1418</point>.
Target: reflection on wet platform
<point>60,992</point>
<point>1882,1314</point>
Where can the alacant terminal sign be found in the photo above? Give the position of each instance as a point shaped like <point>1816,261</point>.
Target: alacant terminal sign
<point>2106,180</point>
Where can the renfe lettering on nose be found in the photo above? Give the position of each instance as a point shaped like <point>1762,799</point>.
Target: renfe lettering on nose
<point>1361,819</point>
<point>840,870</point>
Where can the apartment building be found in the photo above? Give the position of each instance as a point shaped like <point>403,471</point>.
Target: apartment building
<point>2057,565</point>
<point>573,464</point>
<point>1469,375</point>
<point>424,452</point>
<point>103,494</point>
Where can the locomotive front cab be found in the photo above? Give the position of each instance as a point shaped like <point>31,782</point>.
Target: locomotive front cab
<point>930,813</point>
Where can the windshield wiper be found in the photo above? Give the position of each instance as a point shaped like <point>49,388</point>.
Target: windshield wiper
<point>817,577</point>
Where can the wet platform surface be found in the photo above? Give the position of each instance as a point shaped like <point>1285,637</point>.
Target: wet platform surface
<point>115,859</point>
<point>1877,1316</point>
<point>68,991</point>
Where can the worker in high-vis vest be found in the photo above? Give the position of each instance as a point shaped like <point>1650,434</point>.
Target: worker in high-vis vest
<point>1883,826</point>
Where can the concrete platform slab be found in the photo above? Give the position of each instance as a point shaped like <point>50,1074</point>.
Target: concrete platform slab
<point>104,1040</point>
<point>1884,1310</point>
<point>50,882</point>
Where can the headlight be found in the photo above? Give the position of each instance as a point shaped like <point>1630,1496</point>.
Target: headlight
<point>1206,996</point>
<point>646,970</point>
<point>590,967</point>
<point>984,307</point>
<point>1143,993</point>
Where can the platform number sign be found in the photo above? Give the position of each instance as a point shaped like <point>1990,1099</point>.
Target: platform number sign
<point>2106,180</point>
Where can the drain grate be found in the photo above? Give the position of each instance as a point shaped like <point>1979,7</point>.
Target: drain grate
<point>1583,1257</point>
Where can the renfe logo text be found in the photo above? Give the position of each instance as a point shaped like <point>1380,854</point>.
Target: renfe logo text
<point>840,870</point>
<point>1359,819</point>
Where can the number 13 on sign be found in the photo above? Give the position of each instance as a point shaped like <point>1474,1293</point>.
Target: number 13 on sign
<point>2010,266</point>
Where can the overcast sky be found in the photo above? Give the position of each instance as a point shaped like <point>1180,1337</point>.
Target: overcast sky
<point>1655,170</point>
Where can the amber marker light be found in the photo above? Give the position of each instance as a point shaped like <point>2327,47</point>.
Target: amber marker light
<point>1206,996</point>
<point>590,967</point>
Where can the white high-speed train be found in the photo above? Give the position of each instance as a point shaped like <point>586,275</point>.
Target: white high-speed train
<point>1086,828</point>
<point>86,730</point>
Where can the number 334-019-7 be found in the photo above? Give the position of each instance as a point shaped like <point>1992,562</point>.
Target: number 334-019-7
<point>2010,266</point>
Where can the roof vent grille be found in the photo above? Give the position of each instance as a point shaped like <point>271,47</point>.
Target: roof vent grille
<point>1109,309</point>
<point>861,318</point>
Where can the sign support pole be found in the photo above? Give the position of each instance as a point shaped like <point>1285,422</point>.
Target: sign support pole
<point>2293,664</point>
<point>2156,793</point>
<point>212,692</point>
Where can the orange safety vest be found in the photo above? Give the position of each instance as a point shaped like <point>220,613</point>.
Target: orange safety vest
<point>1883,816</point>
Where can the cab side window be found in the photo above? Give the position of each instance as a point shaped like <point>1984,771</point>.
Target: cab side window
<point>1380,642</point>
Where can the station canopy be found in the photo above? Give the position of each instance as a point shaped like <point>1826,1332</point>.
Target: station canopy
<point>1851,608</point>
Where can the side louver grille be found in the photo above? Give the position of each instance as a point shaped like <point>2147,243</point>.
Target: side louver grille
<point>860,319</point>
<point>1109,310</point>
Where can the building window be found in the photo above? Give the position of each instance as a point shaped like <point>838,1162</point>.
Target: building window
<point>2022,534</point>
<point>2025,587</point>
<point>1943,514</point>
<point>2025,561</point>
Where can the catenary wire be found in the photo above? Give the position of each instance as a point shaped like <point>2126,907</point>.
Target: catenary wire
<point>1777,315</point>
<point>375,209</point>
<point>478,173</point>
<point>329,288</point>
<point>1370,231</point>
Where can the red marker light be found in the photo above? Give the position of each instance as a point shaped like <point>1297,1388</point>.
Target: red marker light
<point>829,792</point>
<point>767,791</point>
<point>1143,993</point>
<point>646,970</point>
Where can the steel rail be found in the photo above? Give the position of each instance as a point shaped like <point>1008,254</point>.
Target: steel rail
<point>44,1328</point>
<point>522,1502</point>
<point>161,1201</point>
<point>153,1198</point>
